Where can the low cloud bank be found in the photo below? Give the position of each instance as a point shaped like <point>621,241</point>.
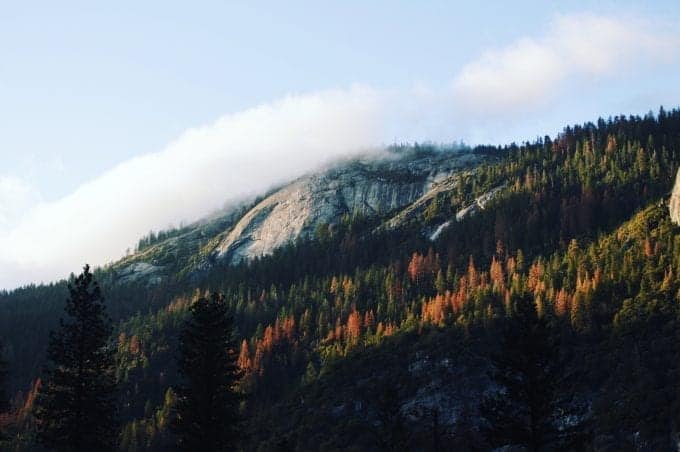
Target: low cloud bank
<point>236,156</point>
<point>248,152</point>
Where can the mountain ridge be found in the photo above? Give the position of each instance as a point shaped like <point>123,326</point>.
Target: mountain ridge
<point>360,335</point>
<point>372,187</point>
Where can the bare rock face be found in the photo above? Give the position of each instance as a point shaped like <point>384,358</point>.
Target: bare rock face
<point>674,205</point>
<point>479,204</point>
<point>417,207</point>
<point>140,271</point>
<point>365,187</point>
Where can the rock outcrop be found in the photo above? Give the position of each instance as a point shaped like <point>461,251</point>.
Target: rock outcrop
<point>479,204</point>
<point>141,271</point>
<point>375,187</point>
<point>412,210</point>
<point>674,204</point>
<point>395,187</point>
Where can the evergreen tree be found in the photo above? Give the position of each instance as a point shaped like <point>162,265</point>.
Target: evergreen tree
<point>4,400</point>
<point>76,404</point>
<point>207,402</point>
<point>528,369</point>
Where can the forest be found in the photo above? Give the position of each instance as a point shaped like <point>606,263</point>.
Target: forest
<point>548,320</point>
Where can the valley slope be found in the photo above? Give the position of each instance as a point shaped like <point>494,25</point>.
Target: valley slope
<point>370,298</point>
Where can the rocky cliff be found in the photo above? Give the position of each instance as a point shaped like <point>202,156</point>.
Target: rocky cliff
<point>395,187</point>
<point>674,205</point>
<point>366,187</point>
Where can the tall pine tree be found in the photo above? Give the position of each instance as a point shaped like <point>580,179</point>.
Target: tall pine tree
<point>76,404</point>
<point>4,399</point>
<point>207,403</point>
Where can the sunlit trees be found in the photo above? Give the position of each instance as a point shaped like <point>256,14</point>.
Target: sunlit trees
<point>353,326</point>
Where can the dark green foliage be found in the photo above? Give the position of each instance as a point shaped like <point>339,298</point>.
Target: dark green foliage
<point>4,398</point>
<point>76,404</point>
<point>207,402</point>
<point>4,375</point>
<point>526,409</point>
<point>391,434</point>
<point>643,389</point>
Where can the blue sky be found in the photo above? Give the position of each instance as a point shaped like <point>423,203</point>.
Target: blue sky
<point>86,89</point>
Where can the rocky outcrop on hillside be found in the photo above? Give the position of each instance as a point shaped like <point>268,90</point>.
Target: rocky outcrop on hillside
<point>139,271</point>
<point>395,187</point>
<point>479,204</point>
<point>674,205</point>
<point>368,187</point>
<point>412,210</point>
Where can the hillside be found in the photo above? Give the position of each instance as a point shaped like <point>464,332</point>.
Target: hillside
<point>373,186</point>
<point>370,298</point>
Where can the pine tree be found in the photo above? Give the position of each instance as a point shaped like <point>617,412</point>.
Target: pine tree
<point>76,408</point>
<point>207,402</point>
<point>4,400</point>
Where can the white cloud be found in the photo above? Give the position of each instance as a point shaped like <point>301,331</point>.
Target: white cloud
<point>15,196</point>
<point>246,153</point>
<point>529,72</point>
<point>240,154</point>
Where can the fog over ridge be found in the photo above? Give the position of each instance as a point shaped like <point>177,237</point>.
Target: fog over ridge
<point>244,154</point>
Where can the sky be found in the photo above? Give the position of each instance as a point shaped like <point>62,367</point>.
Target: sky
<point>122,117</point>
